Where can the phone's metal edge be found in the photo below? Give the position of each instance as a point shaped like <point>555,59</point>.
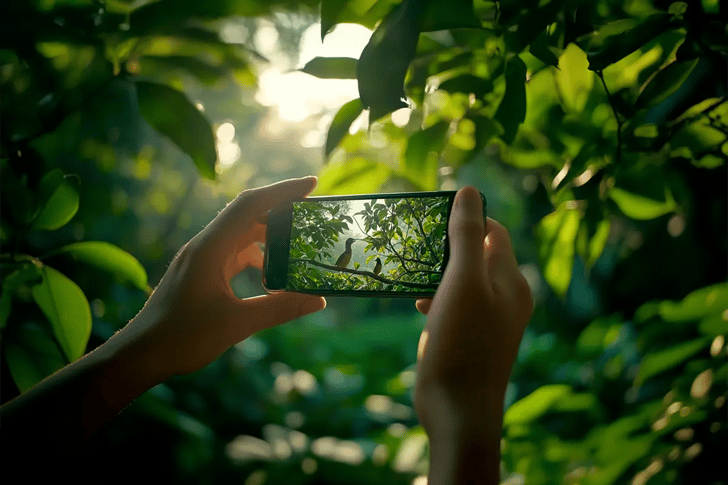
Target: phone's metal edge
<point>267,253</point>
<point>387,195</point>
<point>360,294</point>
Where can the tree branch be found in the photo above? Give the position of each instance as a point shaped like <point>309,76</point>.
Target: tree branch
<point>422,230</point>
<point>410,284</point>
<point>402,259</point>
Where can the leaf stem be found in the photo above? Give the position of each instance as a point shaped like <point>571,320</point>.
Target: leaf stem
<point>618,155</point>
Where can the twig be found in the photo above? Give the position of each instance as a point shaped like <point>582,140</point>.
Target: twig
<point>618,156</point>
<point>422,230</point>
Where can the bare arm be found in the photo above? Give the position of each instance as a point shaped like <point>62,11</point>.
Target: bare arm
<point>474,327</point>
<point>190,319</point>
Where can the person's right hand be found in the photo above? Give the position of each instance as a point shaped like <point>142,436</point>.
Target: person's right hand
<point>475,323</point>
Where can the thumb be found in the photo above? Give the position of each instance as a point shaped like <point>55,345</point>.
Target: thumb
<point>261,312</point>
<point>466,229</point>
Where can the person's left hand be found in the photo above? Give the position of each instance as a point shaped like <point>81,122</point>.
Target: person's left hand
<point>193,316</point>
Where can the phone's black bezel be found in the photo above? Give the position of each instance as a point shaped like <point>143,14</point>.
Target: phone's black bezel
<point>278,237</point>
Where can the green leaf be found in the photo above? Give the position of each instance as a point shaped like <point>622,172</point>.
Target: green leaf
<point>542,50</point>
<point>341,124</point>
<point>714,325</point>
<point>420,161</point>
<point>640,207</point>
<point>591,246</point>
<point>363,12</point>
<point>711,6</point>
<point>109,258</point>
<point>573,402</point>
<point>385,59</point>
<point>355,176</point>
<point>331,67</point>
<point>530,159</point>
<point>467,83</point>
<point>698,304</point>
<point>29,275</point>
<point>698,109</point>
<point>31,355</point>
<point>58,197</point>
<point>701,135</point>
<point>657,362</point>
<point>172,114</point>
<point>617,456</point>
<point>556,234</point>
<point>530,25</point>
<point>485,130</point>
<point>536,404</point>
<point>204,72</point>
<point>665,83</point>
<point>330,12</point>
<point>619,46</point>
<point>574,81</point>
<point>594,338</point>
<point>454,14</point>
<point>512,109</point>
<point>66,307</point>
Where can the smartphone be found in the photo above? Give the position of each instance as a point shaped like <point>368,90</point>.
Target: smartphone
<point>374,245</point>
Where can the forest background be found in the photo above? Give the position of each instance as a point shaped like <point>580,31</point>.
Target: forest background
<point>596,129</point>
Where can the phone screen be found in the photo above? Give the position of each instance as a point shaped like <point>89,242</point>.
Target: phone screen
<point>378,244</point>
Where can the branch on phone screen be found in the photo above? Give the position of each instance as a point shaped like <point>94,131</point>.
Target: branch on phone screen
<point>387,241</point>
<point>422,229</point>
<point>410,284</point>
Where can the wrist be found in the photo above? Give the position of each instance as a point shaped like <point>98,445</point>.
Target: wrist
<point>135,359</point>
<point>452,411</point>
<point>465,454</point>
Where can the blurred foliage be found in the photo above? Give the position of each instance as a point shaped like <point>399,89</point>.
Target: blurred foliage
<point>596,129</point>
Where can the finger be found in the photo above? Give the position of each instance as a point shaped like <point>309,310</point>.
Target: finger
<point>254,253</point>
<point>423,306</point>
<point>500,259</point>
<point>261,312</point>
<point>250,256</point>
<point>467,229</point>
<point>257,233</point>
<point>237,225</point>
<point>251,204</point>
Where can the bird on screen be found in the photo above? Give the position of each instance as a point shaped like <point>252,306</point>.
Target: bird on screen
<point>378,267</point>
<point>345,257</point>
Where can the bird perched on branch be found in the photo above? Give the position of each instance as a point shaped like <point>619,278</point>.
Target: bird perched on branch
<point>345,257</point>
<point>378,267</point>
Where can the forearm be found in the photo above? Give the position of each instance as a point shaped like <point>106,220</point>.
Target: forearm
<point>67,407</point>
<point>465,444</point>
<point>468,458</point>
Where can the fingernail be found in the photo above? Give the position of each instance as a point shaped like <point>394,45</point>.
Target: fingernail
<point>468,198</point>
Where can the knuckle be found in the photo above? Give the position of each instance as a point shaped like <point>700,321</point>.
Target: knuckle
<point>465,225</point>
